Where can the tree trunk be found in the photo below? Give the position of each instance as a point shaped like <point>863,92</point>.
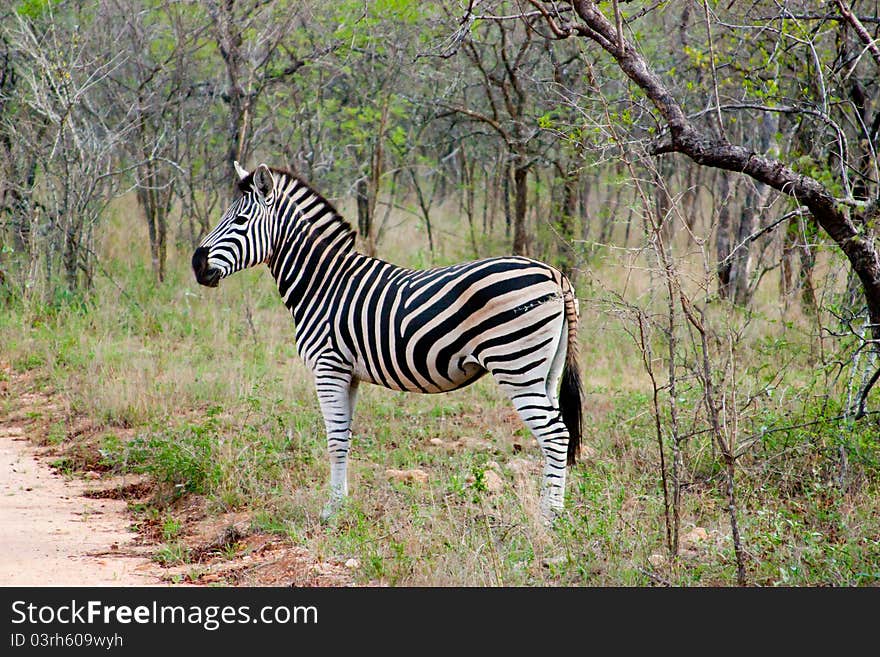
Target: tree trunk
<point>808,263</point>
<point>756,200</point>
<point>566,222</point>
<point>229,41</point>
<point>741,260</point>
<point>608,213</point>
<point>154,195</point>
<point>468,169</point>
<point>485,198</point>
<point>505,195</point>
<point>425,206</point>
<point>72,248</point>
<point>722,236</point>
<point>789,246</point>
<point>689,198</point>
<point>583,201</point>
<point>143,197</point>
<point>520,206</point>
<point>662,201</point>
<point>365,215</point>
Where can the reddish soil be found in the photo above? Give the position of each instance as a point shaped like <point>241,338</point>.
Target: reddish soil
<point>79,527</point>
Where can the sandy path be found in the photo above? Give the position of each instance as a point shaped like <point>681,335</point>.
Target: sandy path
<point>50,535</point>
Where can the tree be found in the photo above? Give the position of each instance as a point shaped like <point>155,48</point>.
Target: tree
<point>151,89</point>
<point>504,89</point>
<point>58,123</point>
<point>843,218</point>
<point>250,36</point>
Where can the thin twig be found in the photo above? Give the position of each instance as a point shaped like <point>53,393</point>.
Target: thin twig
<point>750,443</point>
<point>618,20</point>
<point>766,229</point>
<point>714,70</point>
<point>654,577</point>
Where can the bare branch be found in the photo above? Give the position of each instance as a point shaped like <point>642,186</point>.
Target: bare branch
<point>685,138</point>
<point>860,30</point>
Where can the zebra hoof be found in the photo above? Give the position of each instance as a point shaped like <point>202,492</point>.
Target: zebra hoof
<point>550,514</point>
<point>331,509</point>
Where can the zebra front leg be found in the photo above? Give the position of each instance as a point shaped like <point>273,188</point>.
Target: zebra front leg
<point>337,391</point>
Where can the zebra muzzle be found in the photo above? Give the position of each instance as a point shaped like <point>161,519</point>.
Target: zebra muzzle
<point>205,274</point>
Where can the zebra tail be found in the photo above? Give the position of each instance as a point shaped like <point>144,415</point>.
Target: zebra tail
<point>571,391</point>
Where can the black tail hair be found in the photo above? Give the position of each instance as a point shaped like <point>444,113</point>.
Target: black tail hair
<point>571,395</point>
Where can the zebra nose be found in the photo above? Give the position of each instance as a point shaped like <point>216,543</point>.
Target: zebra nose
<point>204,274</point>
<point>200,260</point>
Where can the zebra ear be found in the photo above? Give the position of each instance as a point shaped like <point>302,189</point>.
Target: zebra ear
<point>264,181</point>
<point>240,170</point>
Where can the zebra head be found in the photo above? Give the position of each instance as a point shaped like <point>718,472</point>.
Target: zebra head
<point>243,237</point>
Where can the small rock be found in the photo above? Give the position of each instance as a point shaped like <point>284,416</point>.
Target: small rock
<point>656,560</point>
<point>491,480</point>
<point>521,466</point>
<point>494,483</point>
<point>558,560</point>
<point>416,475</point>
<point>352,564</point>
<point>322,568</point>
<point>91,474</point>
<point>473,444</point>
<point>587,454</point>
<point>694,538</point>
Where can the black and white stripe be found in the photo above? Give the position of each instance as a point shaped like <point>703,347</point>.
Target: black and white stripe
<point>362,319</point>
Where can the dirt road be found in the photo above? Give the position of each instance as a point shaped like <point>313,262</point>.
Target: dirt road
<point>50,535</point>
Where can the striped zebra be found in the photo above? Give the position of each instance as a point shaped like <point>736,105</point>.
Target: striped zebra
<point>358,318</point>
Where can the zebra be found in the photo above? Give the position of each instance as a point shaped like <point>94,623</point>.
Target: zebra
<point>361,319</point>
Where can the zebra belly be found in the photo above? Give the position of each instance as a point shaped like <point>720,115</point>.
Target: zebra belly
<point>462,370</point>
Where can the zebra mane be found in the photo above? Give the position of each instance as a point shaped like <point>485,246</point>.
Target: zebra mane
<point>287,181</point>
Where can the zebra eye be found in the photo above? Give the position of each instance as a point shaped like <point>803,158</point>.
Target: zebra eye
<point>240,220</point>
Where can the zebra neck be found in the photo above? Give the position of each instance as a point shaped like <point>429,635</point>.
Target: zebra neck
<point>313,249</point>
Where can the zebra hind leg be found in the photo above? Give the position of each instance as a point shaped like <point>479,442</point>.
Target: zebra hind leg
<point>337,392</point>
<point>529,374</point>
<point>540,413</point>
